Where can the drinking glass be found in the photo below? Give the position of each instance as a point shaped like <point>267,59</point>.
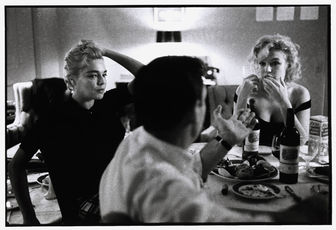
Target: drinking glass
<point>308,153</point>
<point>276,146</point>
<point>323,157</point>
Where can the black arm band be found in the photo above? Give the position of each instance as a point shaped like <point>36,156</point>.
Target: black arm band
<point>226,145</point>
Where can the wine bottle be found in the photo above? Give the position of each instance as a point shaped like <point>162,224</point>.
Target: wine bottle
<point>289,150</point>
<point>251,142</point>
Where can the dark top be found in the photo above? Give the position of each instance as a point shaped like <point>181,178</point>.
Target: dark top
<point>77,144</point>
<point>269,129</point>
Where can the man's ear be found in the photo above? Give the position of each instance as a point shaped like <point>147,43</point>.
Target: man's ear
<point>192,116</point>
<point>196,118</point>
<point>197,111</point>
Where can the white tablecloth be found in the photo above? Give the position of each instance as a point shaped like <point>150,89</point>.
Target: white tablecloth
<point>215,183</point>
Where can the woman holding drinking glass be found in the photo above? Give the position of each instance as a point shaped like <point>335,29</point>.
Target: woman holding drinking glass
<point>277,64</point>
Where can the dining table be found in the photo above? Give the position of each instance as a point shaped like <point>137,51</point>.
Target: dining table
<point>48,211</point>
<point>307,185</point>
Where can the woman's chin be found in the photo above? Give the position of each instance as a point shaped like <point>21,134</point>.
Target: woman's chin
<point>99,96</point>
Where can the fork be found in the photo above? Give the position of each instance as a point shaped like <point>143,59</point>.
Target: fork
<point>266,189</point>
<point>292,193</point>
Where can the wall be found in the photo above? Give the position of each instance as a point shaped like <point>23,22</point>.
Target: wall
<point>38,38</point>
<point>20,57</point>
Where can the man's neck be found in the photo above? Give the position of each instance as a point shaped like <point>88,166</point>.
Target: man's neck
<point>179,137</point>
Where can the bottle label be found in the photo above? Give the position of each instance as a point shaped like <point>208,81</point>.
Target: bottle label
<point>252,141</point>
<point>289,159</point>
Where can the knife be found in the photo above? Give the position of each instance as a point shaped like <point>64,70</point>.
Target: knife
<point>292,193</point>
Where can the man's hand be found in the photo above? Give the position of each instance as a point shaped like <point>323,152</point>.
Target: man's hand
<point>235,129</point>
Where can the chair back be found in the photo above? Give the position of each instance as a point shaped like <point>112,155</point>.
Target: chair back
<point>32,98</point>
<point>221,95</point>
<point>22,91</point>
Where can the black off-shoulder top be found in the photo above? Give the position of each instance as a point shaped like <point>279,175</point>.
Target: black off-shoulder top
<point>269,129</point>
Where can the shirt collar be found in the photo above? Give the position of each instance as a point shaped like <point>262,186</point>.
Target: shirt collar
<point>175,155</point>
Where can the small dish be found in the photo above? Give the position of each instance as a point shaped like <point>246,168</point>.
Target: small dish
<point>40,179</point>
<point>256,191</point>
<point>319,173</point>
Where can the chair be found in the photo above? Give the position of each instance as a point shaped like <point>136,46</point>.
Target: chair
<point>16,130</point>
<point>217,95</point>
<point>31,100</point>
<point>221,95</point>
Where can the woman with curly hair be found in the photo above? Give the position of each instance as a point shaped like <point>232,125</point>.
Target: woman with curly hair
<point>273,89</point>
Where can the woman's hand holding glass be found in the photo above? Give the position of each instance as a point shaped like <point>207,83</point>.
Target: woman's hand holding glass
<point>250,85</point>
<point>249,88</point>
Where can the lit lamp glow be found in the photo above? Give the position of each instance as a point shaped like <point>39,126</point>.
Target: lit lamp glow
<point>168,36</point>
<point>168,19</point>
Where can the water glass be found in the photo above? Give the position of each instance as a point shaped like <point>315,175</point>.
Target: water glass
<point>310,152</point>
<point>323,157</point>
<point>276,146</point>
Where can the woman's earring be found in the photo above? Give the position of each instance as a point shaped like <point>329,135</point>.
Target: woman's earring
<point>70,89</point>
<point>70,85</point>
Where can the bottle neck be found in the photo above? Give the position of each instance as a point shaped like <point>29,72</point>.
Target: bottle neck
<point>253,109</point>
<point>290,118</point>
<point>252,105</point>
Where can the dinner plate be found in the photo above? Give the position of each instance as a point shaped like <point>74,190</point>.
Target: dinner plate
<point>236,179</point>
<point>39,180</point>
<point>256,191</point>
<point>311,172</point>
<point>253,179</point>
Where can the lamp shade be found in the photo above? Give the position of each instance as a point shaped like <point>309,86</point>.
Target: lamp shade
<point>168,36</point>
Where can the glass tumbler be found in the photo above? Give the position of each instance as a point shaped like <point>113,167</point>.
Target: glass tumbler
<point>276,146</point>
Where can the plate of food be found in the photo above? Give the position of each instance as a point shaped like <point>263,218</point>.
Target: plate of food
<point>43,180</point>
<point>254,169</point>
<point>320,173</point>
<point>256,191</point>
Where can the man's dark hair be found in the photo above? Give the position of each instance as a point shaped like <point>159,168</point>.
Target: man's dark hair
<point>166,90</point>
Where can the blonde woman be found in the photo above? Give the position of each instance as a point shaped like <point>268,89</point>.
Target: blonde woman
<point>273,88</point>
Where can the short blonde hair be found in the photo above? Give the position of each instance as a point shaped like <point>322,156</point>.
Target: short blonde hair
<point>284,44</point>
<point>79,56</point>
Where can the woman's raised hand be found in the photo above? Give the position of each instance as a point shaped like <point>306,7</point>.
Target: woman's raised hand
<point>276,90</point>
<point>250,86</point>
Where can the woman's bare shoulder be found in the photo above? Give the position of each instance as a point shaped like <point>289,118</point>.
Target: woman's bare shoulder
<point>299,92</point>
